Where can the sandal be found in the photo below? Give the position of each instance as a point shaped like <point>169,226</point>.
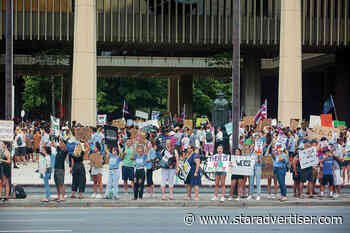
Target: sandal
<point>45,200</point>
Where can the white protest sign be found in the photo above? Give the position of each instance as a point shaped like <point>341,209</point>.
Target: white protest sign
<point>155,115</point>
<point>259,146</point>
<point>55,126</point>
<point>140,114</point>
<point>6,131</point>
<point>274,122</point>
<point>152,122</point>
<point>129,122</point>
<point>282,139</point>
<point>315,121</point>
<point>308,158</point>
<point>242,165</point>
<point>101,119</point>
<point>218,163</point>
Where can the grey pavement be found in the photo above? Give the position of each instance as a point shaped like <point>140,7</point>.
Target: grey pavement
<point>170,220</point>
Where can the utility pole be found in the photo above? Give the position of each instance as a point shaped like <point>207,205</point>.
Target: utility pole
<point>9,60</point>
<point>236,85</point>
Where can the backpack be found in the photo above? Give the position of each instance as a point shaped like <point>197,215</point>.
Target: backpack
<point>209,136</point>
<point>19,192</point>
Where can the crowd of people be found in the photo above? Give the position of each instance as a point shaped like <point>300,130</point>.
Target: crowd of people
<point>133,159</point>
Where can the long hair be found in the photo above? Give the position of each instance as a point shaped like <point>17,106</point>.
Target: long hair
<point>77,150</point>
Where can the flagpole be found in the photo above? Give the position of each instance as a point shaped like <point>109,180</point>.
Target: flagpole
<point>335,110</point>
<point>123,110</point>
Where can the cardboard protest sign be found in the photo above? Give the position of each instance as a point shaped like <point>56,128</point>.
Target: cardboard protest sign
<point>187,169</point>
<point>55,126</point>
<point>155,115</point>
<point>188,124</point>
<point>111,135</point>
<point>82,134</point>
<point>6,131</point>
<point>326,120</point>
<point>218,163</point>
<point>308,158</point>
<point>96,160</point>
<point>267,167</point>
<point>120,124</point>
<point>242,165</point>
<point>140,114</point>
<point>294,123</point>
<point>315,121</point>
<point>249,120</point>
<point>201,121</point>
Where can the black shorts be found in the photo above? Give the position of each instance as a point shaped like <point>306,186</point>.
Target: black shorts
<point>236,177</point>
<point>20,151</point>
<point>327,179</point>
<point>149,177</point>
<point>296,178</point>
<point>29,150</point>
<point>306,175</point>
<point>128,173</point>
<point>346,162</point>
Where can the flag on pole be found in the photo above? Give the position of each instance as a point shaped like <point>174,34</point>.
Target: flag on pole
<point>328,105</point>
<point>125,109</point>
<point>262,113</point>
<point>183,114</point>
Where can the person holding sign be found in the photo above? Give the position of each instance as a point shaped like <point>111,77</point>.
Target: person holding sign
<point>236,179</point>
<point>220,176</point>
<point>193,179</point>
<point>96,161</point>
<point>306,174</point>
<point>151,155</point>
<point>280,161</point>
<point>169,164</point>
<point>128,165</point>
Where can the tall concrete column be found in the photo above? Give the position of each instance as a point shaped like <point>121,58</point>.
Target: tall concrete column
<point>67,93</point>
<point>186,95</point>
<point>251,85</point>
<point>290,68</point>
<point>84,63</point>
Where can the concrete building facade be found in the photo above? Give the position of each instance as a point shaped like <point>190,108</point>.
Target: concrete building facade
<point>282,43</point>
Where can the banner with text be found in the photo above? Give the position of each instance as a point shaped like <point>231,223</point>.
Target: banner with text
<point>308,158</point>
<point>242,165</point>
<point>6,131</point>
<point>218,163</point>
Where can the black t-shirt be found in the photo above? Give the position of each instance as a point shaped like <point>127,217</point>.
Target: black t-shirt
<point>60,158</point>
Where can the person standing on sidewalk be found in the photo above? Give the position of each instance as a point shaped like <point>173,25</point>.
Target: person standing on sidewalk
<point>5,170</point>
<point>256,174</point>
<point>220,177</point>
<point>236,179</point>
<point>78,171</point>
<point>45,170</point>
<point>113,156</point>
<point>128,164</point>
<point>152,154</point>
<point>139,180</point>
<point>280,162</point>
<point>59,169</point>
<point>169,164</point>
<point>96,162</point>
<point>193,179</point>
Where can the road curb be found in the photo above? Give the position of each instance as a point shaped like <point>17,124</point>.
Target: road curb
<point>172,204</point>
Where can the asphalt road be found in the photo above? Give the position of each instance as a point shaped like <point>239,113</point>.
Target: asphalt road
<point>169,220</point>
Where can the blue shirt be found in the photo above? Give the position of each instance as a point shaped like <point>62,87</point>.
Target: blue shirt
<point>291,144</point>
<point>280,163</point>
<point>328,164</point>
<point>151,155</point>
<point>140,161</point>
<point>114,161</point>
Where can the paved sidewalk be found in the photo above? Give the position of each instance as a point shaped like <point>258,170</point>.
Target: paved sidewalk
<point>205,201</point>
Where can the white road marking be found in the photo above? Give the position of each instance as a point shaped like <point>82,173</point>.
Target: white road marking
<point>28,231</point>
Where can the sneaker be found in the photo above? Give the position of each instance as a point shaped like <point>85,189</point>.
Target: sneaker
<point>258,198</point>
<point>222,199</point>
<point>238,198</point>
<point>322,194</point>
<point>269,196</point>
<point>335,195</point>
<point>98,196</point>
<point>249,198</point>
<point>230,199</point>
<point>214,198</point>
<point>273,196</point>
<point>93,195</point>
